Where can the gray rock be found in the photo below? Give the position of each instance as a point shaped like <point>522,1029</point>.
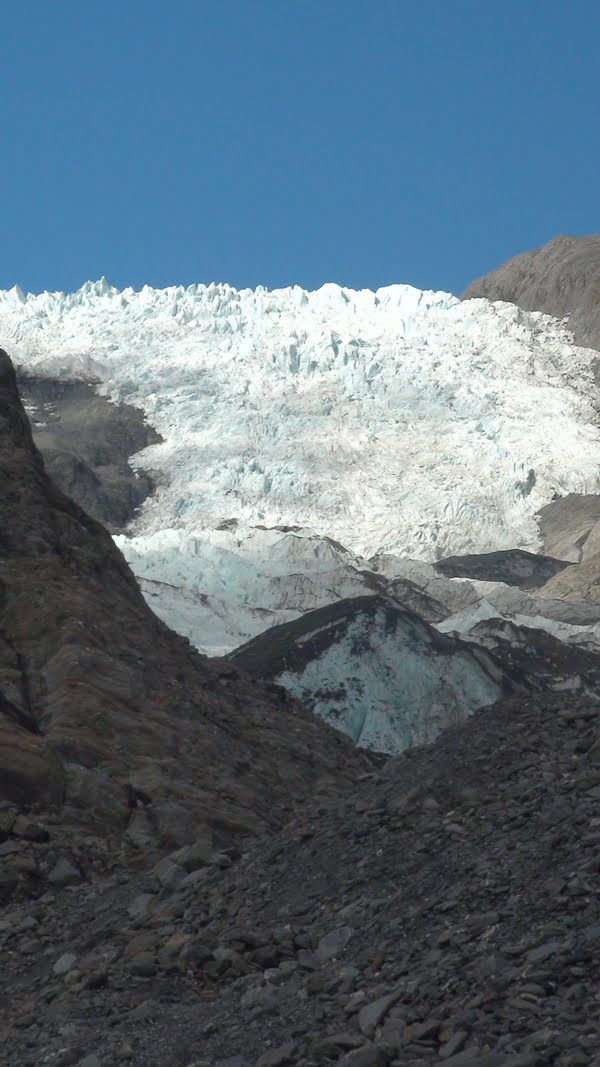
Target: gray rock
<point>144,964</point>
<point>195,877</point>
<point>64,873</point>
<point>225,955</point>
<point>10,848</point>
<point>144,1012</point>
<point>454,1044</point>
<point>65,963</point>
<point>543,952</point>
<point>592,933</point>
<point>367,1056</point>
<point>277,1057</point>
<point>470,1057</point>
<point>167,874</point>
<point>473,1057</point>
<point>191,857</point>
<point>68,1056</point>
<point>140,830</point>
<point>29,829</point>
<point>327,1046</point>
<point>29,923</point>
<point>334,943</point>
<point>355,1002</point>
<point>373,1014</point>
<point>141,906</point>
<point>262,997</point>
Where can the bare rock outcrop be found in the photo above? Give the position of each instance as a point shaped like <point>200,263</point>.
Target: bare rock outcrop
<point>86,442</point>
<point>562,278</point>
<point>109,713</point>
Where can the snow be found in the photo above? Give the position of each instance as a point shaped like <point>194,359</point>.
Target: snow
<point>396,422</point>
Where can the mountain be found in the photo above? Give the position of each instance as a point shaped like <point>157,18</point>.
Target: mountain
<point>109,717</point>
<point>196,872</point>
<point>562,278</point>
<point>396,423</point>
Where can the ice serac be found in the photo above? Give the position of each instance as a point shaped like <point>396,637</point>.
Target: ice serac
<point>107,712</point>
<point>395,420</point>
<point>378,671</point>
<point>222,587</point>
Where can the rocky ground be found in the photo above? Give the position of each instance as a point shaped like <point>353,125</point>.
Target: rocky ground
<point>447,911</point>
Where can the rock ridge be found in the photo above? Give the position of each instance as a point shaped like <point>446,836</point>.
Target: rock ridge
<point>107,711</point>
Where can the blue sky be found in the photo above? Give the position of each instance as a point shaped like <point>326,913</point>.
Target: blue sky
<point>280,141</point>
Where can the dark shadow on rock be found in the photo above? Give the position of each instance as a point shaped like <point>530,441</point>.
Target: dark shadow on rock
<point>86,442</point>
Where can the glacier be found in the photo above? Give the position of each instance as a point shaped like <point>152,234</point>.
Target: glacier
<point>399,420</point>
<point>378,672</point>
<point>311,440</point>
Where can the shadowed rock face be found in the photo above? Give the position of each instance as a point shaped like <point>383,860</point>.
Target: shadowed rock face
<point>570,529</point>
<point>86,442</point>
<point>513,567</point>
<point>561,279</point>
<point>108,712</point>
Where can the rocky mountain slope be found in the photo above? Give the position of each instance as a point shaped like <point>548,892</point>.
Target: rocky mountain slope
<point>86,443</point>
<point>562,278</point>
<point>526,570</point>
<point>570,526</point>
<point>106,713</point>
<point>446,912</point>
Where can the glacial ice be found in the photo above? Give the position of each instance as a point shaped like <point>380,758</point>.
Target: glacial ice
<point>396,423</point>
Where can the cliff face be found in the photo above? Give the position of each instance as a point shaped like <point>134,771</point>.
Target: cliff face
<point>561,279</point>
<point>86,441</point>
<point>103,709</point>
